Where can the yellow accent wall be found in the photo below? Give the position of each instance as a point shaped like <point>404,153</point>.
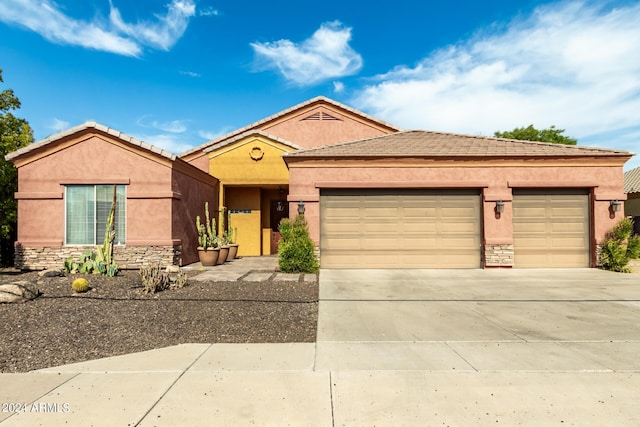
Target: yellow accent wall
<point>248,223</point>
<point>254,160</point>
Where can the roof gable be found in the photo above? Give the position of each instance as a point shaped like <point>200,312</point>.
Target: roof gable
<point>63,139</point>
<point>438,144</point>
<point>245,136</point>
<point>305,111</point>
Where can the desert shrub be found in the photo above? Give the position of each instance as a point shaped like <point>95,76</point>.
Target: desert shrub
<point>80,285</point>
<point>296,251</point>
<point>153,279</point>
<point>619,247</point>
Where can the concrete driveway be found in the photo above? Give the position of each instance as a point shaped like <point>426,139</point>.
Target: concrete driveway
<point>394,348</point>
<point>531,347</point>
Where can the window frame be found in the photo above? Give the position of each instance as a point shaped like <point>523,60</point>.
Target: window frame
<point>97,240</point>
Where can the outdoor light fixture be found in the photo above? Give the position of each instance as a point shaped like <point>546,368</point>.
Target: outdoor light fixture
<point>301,207</point>
<point>499,206</point>
<point>615,205</point>
<point>280,206</point>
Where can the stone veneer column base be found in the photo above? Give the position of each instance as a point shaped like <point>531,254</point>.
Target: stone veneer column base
<point>498,255</point>
<point>127,257</point>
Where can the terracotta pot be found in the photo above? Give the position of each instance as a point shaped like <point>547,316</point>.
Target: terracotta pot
<point>209,257</point>
<point>224,252</point>
<point>233,251</point>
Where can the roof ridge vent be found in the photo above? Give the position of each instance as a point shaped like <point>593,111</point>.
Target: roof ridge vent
<point>321,116</point>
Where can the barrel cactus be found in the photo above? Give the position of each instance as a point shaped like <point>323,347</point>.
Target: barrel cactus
<point>80,285</point>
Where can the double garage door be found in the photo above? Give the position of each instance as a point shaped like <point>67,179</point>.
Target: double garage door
<point>392,228</point>
<point>400,228</point>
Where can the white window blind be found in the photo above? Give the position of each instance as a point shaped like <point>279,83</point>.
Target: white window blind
<point>87,209</point>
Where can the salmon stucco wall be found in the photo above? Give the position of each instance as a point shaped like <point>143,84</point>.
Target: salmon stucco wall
<point>321,125</point>
<point>92,158</point>
<point>495,181</point>
<point>192,191</point>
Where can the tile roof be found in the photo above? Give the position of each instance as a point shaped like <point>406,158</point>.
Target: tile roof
<point>91,125</point>
<point>284,113</point>
<point>438,144</point>
<point>632,181</point>
<point>250,133</point>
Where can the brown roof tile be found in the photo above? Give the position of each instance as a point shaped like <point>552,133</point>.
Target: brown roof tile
<point>632,181</point>
<point>438,144</point>
<point>90,125</point>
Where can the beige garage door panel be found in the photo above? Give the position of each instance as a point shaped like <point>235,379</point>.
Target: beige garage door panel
<point>551,228</point>
<point>400,229</point>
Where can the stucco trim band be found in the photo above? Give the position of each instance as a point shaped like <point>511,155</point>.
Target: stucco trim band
<point>38,196</point>
<point>307,198</point>
<point>155,195</point>
<point>94,181</point>
<point>400,184</point>
<point>552,184</point>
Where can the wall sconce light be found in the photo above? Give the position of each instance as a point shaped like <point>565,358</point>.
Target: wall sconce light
<point>499,206</point>
<point>615,205</point>
<point>280,206</point>
<point>301,207</point>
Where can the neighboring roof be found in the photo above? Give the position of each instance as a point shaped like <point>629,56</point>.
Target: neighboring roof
<point>87,126</point>
<point>251,133</point>
<point>276,116</point>
<point>438,144</point>
<point>632,181</point>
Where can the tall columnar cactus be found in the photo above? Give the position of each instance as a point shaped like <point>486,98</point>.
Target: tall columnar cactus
<point>206,232</point>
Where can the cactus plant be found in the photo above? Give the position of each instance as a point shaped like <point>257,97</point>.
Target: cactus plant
<point>206,232</point>
<point>80,285</point>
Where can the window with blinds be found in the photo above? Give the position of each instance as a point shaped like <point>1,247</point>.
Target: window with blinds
<point>87,208</point>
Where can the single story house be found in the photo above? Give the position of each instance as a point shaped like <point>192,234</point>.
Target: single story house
<point>632,190</point>
<point>373,194</point>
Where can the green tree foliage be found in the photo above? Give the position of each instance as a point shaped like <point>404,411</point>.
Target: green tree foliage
<point>530,133</point>
<point>15,133</point>
<point>619,247</point>
<point>296,251</point>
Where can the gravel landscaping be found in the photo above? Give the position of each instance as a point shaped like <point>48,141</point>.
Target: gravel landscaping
<point>115,317</point>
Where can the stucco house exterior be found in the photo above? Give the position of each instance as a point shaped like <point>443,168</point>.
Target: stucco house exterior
<point>374,195</point>
<point>65,190</point>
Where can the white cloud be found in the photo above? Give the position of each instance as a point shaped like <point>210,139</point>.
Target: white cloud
<point>572,65</point>
<point>172,143</point>
<point>325,55</point>
<point>190,73</point>
<point>115,35</point>
<point>162,33</point>
<point>172,126</point>
<point>338,87</point>
<point>208,11</point>
<point>56,125</point>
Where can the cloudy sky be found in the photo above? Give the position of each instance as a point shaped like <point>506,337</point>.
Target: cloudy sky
<point>178,72</point>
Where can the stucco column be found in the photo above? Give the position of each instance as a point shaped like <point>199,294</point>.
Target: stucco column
<point>497,227</point>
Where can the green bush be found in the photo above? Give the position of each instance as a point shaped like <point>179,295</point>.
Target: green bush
<point>296,251</point>
<point>619,247</point>
<point>80,285</point>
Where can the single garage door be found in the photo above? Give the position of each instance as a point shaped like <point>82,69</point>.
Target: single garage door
<point>551,228</point>
<point>362,228</point>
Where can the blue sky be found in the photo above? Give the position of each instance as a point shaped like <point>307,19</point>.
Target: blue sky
<point>176,73</point>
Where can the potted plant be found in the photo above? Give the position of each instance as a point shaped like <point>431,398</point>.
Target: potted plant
<point>232,237</point>
<point>233,244</point>
<point>224,244</point>
<point>208,247</point>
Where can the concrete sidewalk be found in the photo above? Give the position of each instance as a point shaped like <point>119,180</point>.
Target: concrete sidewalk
<point>394,348</point>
